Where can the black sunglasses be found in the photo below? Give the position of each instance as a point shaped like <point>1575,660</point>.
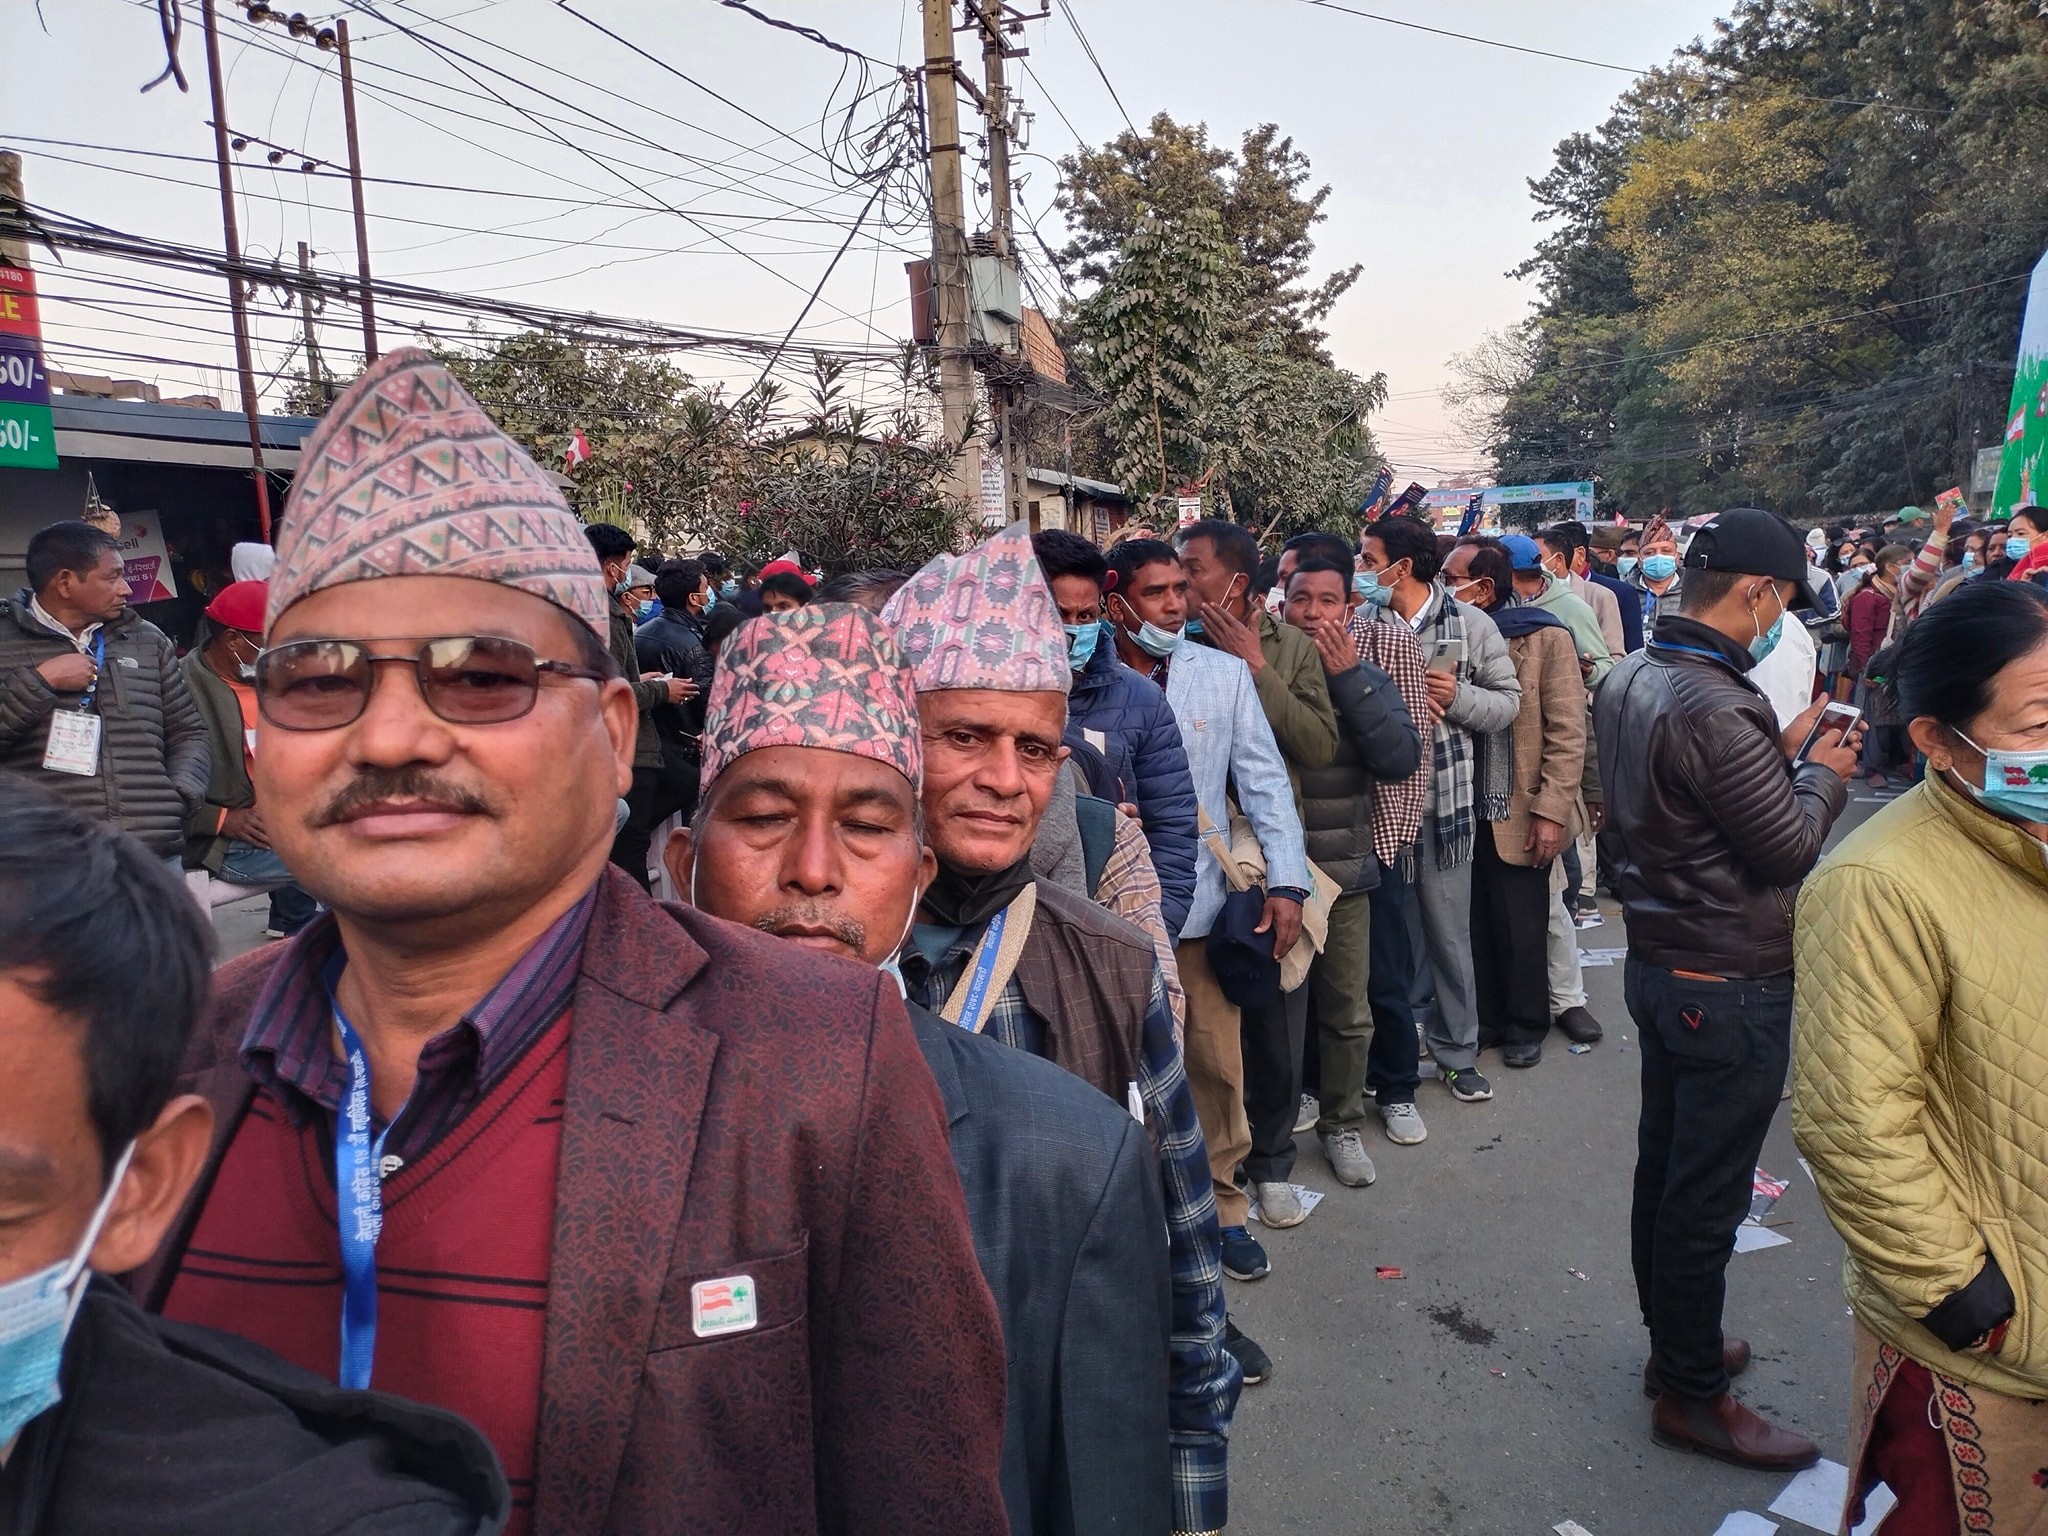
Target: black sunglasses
<point>321,685</point>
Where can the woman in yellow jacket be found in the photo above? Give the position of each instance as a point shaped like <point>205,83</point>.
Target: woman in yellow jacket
<point>1921,1086</point>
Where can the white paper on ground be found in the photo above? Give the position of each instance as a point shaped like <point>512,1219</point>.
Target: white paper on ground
<point>1743,1523</point>
<point>1570,1528</point>
<point>1309,1198</point>
<point>1589,959</point>
<point>1876,1505</point>
<point>1749,1237</point>
<point>1816,1496</point>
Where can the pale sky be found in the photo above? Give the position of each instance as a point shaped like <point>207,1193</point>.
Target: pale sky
<point>1427,142</point>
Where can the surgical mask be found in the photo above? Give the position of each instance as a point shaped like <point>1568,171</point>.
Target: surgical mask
<point>1154,641</point>
<point>1367,588</point>
<point>1660,567</point>
<point>1276,602</point>
<point>1081,640</point>
<point>893,966</point>
<point>2016,547</point>
<point>1195,628</point>
<point>645,610</point>
<point>1766,640</point>
<point>1969,561</point>
<point>2015,783</point>
<point>36,1312</point>
<point>728,589</point>
<point>1626,564</point>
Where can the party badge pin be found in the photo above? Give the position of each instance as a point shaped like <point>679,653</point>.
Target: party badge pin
<point>723,1306</point>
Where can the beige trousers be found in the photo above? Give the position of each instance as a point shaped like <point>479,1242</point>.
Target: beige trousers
<point>1215,1060</point>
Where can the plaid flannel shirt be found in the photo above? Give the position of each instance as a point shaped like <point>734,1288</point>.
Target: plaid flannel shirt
<point>1203,1378</point>
<point>1129,887</point>
<point>1396,807</point>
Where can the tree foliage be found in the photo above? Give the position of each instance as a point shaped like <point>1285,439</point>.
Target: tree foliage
<point>1256,192</point>
<point>1788,268</point>
<point>1199,335</point>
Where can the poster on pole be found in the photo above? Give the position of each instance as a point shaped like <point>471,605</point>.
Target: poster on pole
<point>1188,510</point>
<point>994,493</point>
<point>2024,464</point>
<point>146,559</point>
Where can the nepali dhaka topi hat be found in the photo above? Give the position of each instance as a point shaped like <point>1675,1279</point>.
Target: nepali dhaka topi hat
<point>985,619</point>
<point>826,675</point>
<point>407,475</point>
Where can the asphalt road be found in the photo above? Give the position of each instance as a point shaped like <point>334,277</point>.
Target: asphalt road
<point>1491,1389</point>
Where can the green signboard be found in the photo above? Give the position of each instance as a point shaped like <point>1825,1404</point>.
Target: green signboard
<point>28,440</point>
<point>2025,462</point>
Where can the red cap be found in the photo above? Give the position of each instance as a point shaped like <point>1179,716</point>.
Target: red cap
<point>787,567</point>
<point>239,605</point>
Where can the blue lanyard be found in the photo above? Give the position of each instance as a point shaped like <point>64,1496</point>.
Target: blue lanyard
<point>984,968</point>
<point>1691,650</point>
<point>99,662</point>
<point>358,1201</point>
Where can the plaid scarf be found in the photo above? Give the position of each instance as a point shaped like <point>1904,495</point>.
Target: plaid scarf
<point>1451,779</point>
<point>1388,644</point>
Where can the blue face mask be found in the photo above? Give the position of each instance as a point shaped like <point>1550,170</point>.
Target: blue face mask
<point>1659,567</point>
<point>728,589</point>
<point>644,611</point>
<point>1626,564</point>
<point>1767,640</point>
<point>35,1316</point>
<point>1969,560</point>
<point>1081,640</point>
<point>2016,547</point>
<point>1195,629</point>
<point>1366,587</point>
<point>1154,641</point>
<point>2015,783</point>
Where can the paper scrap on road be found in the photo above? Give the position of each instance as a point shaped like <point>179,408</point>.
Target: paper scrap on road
<point>1764,1192</point>
<point>1387,1272</point>
<point>1309,1198</point>
<point>1809,1169</point>
<point>1749,1237</point>
<point>1743,1523</point>
<point>1589,958</point>
<point>1570,1528</point>
<point>1816,1496</point>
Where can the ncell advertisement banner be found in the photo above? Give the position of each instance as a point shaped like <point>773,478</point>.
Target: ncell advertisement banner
<point>2025,462</point>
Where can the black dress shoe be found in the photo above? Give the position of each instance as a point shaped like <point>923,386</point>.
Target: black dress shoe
<point>1521,1053</point>
<point>1579,1026</point>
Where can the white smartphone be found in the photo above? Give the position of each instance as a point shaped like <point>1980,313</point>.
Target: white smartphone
<point>1836,717</point>
<point>1447,655</point>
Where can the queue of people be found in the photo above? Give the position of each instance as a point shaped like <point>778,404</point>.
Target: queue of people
<point>1031,905</point>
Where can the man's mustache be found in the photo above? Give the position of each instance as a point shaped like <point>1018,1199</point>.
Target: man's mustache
<point>846,930</point>
<point>413,785</point>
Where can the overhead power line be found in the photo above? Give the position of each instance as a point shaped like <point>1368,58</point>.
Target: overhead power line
<point>1088,48</point>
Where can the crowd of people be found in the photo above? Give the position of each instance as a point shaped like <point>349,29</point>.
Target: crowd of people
<point>1029,906</point>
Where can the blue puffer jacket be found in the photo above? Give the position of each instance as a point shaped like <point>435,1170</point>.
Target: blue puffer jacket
<point>1125,716</point>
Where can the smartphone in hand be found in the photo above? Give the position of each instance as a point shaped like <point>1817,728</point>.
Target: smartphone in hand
<point>1836,717</point>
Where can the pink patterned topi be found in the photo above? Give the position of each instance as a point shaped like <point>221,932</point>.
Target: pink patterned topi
<point>826,675</point>
<point>406,476</point>
<point>985,619</point>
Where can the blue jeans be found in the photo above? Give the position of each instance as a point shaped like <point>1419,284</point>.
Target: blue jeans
<point>291,908</point>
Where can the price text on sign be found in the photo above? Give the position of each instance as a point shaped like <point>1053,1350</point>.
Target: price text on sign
<point>28,440</point>
<point>23,379</point>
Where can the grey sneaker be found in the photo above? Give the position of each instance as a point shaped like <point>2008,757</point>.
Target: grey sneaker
<point>1348,1160</point>
<point>1308,1114</point>
<point>1279,1205</point>
<point>1404,1124</point>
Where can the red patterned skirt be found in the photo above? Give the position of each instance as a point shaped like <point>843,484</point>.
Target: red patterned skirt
<point>1963,1460</point>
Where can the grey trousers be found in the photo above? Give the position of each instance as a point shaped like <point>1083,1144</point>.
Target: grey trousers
<point>1567,980</point>
<point>1444,898</point>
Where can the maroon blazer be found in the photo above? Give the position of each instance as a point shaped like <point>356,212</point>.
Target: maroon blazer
<point>736,1104</point>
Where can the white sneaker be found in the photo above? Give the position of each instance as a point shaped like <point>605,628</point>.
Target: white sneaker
<point>1348,1159</point>
<point>1305,1118</point>
<point>1279,1205</point>
<point>1404,1124</point>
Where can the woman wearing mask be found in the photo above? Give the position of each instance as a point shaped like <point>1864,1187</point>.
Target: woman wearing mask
<point>1870,617</point>
<point>1916,1078</point>
<point>2026,544</point>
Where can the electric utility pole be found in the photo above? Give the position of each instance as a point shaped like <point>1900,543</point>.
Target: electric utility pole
<point>314,371</point>
<point>237,294</point>
<point>995,107</point>
<point>355,189</point>
<point>949,244</point>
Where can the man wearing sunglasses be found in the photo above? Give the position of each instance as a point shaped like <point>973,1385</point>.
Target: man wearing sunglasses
<point>663,1206</point>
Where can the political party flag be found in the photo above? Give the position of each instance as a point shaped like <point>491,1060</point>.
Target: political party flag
<point>578,450</point>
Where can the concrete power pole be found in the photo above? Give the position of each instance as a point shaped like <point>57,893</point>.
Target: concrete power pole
<point>315,373</point>
<point>988,15</point>
<point>949,245</point>
<point>13,253</point>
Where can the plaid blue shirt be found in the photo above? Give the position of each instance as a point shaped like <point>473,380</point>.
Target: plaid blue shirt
<point>1203,1378</point>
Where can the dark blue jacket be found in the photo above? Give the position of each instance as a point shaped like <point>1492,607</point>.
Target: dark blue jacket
<point>1057,1180</point>
<point>1133,727</point>
<point>1629,601</point>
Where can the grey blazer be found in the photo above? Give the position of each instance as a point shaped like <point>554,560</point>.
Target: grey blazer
<point>1063,1200</point>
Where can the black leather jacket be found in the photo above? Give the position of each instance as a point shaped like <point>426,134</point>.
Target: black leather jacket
<point>1713,827</point>
<point>674,642</point>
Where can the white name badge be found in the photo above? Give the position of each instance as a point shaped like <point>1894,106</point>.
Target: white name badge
<point>74,743</point>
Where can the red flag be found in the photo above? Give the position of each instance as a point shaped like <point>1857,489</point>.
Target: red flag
<point>578,450</point>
